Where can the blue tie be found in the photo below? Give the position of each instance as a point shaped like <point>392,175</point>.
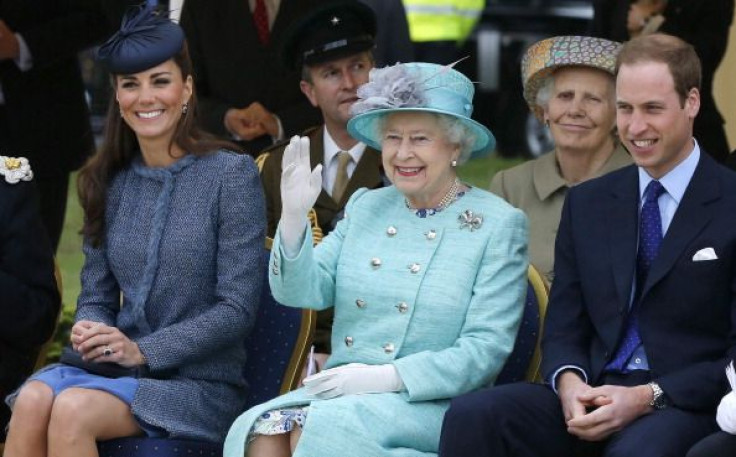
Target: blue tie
<point>650,238</point>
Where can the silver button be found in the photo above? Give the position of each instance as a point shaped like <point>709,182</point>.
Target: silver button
<point>402,307</point>
<point>391,230</point>
<point>348,341</point>
<point>275,271</point>
<point>359,303</point>
<point>388,348</point>
<point>375,262</point>
<point>415,267</point>
<point>431,235</point>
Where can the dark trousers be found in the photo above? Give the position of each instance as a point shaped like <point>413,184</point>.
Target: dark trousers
<point>719,444</point>
<point>526,420</point>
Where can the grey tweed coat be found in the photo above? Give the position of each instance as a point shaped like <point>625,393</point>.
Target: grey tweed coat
<point>184,246</point>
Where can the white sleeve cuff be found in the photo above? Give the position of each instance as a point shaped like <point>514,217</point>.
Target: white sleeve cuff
<point>25,59</point>
<point>553,380</point>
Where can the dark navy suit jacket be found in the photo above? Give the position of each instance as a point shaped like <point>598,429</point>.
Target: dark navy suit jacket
<point>687,309</point>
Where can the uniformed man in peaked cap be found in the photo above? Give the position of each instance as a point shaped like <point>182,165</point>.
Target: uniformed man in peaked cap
<point>333,47</point>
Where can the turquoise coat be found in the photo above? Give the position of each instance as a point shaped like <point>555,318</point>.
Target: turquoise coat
<point>438,300</point>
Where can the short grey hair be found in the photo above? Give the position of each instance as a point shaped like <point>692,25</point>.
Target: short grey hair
<point>454,131</point>
<point>544,94</point>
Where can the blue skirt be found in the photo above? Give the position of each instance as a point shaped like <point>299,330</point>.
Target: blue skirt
<point>60,377</point>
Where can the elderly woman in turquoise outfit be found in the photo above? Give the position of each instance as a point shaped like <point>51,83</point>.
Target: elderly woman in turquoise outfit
<point>173,239</point>
<point>427,278</point>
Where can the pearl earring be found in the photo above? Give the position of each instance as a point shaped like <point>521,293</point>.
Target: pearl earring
<point>453,164</point>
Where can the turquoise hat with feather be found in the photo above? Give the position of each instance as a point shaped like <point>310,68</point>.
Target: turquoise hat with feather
<point>421,87</point>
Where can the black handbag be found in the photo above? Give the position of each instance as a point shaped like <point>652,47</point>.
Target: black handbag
<point>107,369</point>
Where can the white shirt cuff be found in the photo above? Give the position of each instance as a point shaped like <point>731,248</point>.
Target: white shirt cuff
<point>25,59</point>
<point>581,372</point>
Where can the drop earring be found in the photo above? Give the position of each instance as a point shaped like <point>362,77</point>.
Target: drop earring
<point>453,164</point>
<point>184,108</point>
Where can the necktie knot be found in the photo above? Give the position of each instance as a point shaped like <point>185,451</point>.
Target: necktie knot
<point>654,190</point>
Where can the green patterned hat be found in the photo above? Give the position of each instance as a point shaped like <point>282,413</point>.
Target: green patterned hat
<point>544,57</point>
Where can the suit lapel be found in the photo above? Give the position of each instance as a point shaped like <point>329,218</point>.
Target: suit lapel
<point>693,213</point>
<point>622,224</point>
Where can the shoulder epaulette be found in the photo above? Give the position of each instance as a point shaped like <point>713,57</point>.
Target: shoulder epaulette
<point>15,169</point>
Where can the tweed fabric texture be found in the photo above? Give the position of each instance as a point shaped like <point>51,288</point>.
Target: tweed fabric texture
<point>443,305</point>
<point>184,248</point>
<point>544,57</point>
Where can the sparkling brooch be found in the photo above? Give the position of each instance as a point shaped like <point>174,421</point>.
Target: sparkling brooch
<point>15,169</point>
<point>469,220</point>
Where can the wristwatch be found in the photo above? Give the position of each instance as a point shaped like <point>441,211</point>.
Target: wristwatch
<point>659,401</point>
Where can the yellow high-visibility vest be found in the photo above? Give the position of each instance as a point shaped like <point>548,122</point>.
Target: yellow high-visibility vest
<point>442,20</point>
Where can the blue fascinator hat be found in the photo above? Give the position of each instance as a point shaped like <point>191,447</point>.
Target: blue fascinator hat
<point>417,86</point>
<point>147,37</point>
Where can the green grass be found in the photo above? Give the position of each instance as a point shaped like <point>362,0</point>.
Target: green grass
<point>69,256</point>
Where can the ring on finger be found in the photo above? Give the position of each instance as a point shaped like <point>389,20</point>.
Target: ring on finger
<point>107,351</point>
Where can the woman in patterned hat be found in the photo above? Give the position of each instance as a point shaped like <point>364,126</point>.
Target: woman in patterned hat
<point>569,85</point>
<point>427,278</point>
<point>173,238</point>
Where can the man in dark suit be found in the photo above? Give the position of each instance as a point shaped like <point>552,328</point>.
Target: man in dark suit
<point>30,301</point>
<point>332,45</point>
<point>640,324</point>
<point>705,25</point>
<point>245,92</point>
<point>43,112</point>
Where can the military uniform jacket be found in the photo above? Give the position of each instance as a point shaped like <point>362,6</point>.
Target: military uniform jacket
<point>438,298</point>
<point>368,173</point>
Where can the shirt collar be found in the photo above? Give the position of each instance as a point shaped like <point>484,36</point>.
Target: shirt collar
<point>675,182</point>
<point>331,149</point>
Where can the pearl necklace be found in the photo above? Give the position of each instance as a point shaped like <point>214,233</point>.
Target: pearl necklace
<point>453,193</point>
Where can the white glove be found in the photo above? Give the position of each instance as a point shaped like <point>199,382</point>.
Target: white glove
<point>726,414</point>
<point>300,187</point>
<point>354,378</point>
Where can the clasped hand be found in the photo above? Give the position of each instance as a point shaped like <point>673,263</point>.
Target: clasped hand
<point>92,338</point>
<point>354,378</point>
<point>613,408</point>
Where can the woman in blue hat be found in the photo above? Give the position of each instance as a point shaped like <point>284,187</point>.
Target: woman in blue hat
<point>173,237</point>
<point>427,278</point>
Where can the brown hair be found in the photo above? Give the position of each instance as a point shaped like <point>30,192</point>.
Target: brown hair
<point>679,56</point>
<point>120,146</point>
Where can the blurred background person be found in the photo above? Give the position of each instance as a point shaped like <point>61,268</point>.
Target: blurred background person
<point>246,92</point>
<point>332,48</point>
<point>393,44</point>
<point>410,271</point>
<point>439,28</point>
<point>43,111</point>
<point>30,301</point>
<point>174,225</point>
<point>569,84</point>
<point>703,24</point>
